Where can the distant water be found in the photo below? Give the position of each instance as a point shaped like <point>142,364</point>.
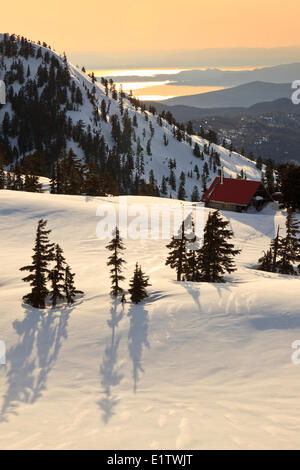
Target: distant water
<point>145,84</point>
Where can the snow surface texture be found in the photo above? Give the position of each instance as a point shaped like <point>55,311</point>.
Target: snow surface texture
<point>195,366</point>
<point>182,152</point>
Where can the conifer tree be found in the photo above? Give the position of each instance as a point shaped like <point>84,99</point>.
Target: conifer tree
<point>148,148</point>
<point>138,285</point>
<point>266,261</point>
<point>196,150</point>
<point>269,177</point>
<point>43,253</point>
<point>32,184</point>
<point>69,287</point>
<point>216,254</point>
<point>181,192</point>
<point>274,250</point>
<point>116,261</point>
<point>172,180</point>
<point>2,173</point>
<point>195,195</point>
<point>191,264</point>
<point>57,276</point>
<point>177,255</point>
<point>189,128</point>
<point>289,246</point>
<point>103,110</point>
<point>163,186</point>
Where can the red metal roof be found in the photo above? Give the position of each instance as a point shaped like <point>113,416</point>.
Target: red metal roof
<point>235,191</point>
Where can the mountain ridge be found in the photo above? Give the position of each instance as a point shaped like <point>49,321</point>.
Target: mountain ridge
<point>244,95</point>
<point>83,114</point>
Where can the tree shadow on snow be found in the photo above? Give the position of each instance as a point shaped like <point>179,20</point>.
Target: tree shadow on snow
<point>193,289</point>
<point>109,369</point>
<point>155,296</point>
<point>41,335</point>
<point>286,322</point>
<point>137,338</point>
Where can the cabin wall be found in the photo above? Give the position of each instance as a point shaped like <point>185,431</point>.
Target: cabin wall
<point>225,206</point>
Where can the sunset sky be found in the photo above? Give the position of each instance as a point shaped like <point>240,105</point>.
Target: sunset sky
<point>128,29</point>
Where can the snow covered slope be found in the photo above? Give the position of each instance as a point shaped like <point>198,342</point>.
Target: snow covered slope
<point>196,366</point>
<point>182,151</point>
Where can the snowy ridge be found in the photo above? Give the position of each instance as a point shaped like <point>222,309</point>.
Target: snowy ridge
<point>182,152</point>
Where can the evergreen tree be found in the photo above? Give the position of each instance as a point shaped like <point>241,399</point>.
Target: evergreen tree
<point>134,121</point>
<point>43,253</point>
<point>274,250</point>
<point>191,265</point>
<point>289,246</point>
<point>289,184</point>
<point>196,150</point>
<point>177,255</point>
<point>116,246</point>
<point>181,192</point>
<point>69,287</point>
<point>57,275</point>
<point>138,285</point>
<point>103,110</point>
<point>32,184</point>
<point>269,177</point>
<point>195,195</point>
<point>216,254</point>
<point>196,170</point>
<point>163,186</point>
<point>259,163</point>
<point>266,261</point>
<point>189,128</point>
<point>172,180</point>
<point>148,148</point>
<point>2,173</point>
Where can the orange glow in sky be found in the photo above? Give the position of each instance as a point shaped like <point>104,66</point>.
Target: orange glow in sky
<point>154,25</point>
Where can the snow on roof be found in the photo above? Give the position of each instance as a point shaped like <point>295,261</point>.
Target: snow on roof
<point>235,191</point>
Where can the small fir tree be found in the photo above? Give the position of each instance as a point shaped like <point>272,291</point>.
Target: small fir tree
<point>69,287</point>
<point>289,246</point>
<point>266,261</point>
<point>177,254</point>
<point>216,254</point>
<point>43,254</point>
<point>138,285</point>
<point>116,262</point>
<point>195,195</point>
<point>56,276</point>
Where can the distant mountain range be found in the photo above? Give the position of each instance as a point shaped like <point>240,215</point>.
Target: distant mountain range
<point>285,73</point>
<point>186,113</point>
<point>240,96</point>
